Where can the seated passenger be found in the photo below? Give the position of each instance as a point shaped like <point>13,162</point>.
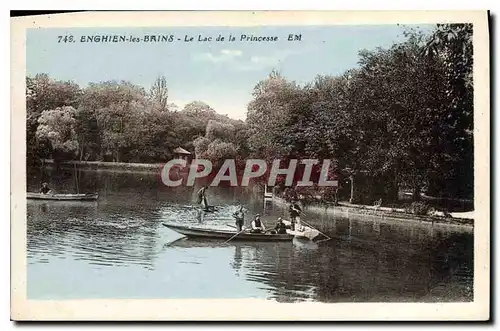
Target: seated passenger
<point>45,189</point>
<point>280,227</point>
<point>257,225</point>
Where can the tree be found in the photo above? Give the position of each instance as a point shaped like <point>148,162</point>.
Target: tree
<point>157,136</point>
<point>399,103</point>
<point>201,146</point>
<point>217,144</point>
<point>104,94</point>
<point>219,130</point>
<point>57,126</point>
<point>121,125</point>
<point>158,93</point>
<point>201,125</point>
<point>452,44</point>
<point>197,108</point>
<point>218,151</point>
<point>271,118</point>
<point>44,93</point>
<point>385,119</point>
<point>96,100</point>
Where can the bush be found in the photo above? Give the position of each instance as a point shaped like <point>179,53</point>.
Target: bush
<point>289,194</point>
<point>418,208</point>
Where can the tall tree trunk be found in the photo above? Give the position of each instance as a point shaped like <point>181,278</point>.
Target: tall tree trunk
<point>81,149</point>
<point>76,180</point>
<point>394,195</point>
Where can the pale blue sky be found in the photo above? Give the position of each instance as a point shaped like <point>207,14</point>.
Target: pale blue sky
<point>221,74</point>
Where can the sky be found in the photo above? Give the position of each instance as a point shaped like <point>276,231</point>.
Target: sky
<point>220,73</point>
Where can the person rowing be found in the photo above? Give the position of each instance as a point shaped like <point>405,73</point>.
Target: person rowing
<point>295,210</point>
<point>239,216</point>
<point>45,189</point>
<point>202,198</point>
<point>257,225</point>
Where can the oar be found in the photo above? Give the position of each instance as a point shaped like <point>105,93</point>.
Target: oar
<point>234,236</point>
<point>176,240</point>
<point>312,227</point>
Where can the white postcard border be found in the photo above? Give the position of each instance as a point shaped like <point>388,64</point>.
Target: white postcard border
<point>24,309</point>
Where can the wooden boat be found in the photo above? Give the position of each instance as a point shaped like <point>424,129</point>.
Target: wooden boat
<point>194,232</point>
<point>63,197</point>
<point>306,233</point>
<point>209,209</point>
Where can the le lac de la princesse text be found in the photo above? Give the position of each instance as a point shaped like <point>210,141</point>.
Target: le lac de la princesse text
<point>172,38</point>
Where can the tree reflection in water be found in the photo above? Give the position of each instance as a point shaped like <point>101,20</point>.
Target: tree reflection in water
<point>382,263</point>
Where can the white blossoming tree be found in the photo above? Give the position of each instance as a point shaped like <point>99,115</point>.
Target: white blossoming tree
<point>58,127</point>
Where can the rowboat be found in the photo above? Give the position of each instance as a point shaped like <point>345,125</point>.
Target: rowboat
<point>63,197</point>
<point>208,209</point>
<point>194,232</point>
<point>305,232</point>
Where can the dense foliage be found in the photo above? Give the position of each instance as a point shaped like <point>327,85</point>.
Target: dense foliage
<point>113,121</point>
<point>402,119</point>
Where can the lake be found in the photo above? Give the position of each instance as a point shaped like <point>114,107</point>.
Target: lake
<point>117,247</point>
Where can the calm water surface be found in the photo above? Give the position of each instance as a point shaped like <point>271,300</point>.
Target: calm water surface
<point>118,248</point>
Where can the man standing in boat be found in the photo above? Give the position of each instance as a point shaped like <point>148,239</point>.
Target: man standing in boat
<point>45,189</point>
<point>295,210</point>
<point>257,225</point>
<point>239,216</point>
<point>202,198</point>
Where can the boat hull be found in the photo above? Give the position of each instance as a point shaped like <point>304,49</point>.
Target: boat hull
<point>63,197</point>
<point>192,232</point>
<point>307,233</point>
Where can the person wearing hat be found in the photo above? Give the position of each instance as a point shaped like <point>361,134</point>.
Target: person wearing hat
<point>239,216</point>
<point>45,189</point>
<point>202,197</point>
<point>280,227</point>
<point>295,210</point>
<point>258,225</point>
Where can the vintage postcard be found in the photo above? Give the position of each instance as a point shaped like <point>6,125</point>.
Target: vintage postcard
<point>255,166</point>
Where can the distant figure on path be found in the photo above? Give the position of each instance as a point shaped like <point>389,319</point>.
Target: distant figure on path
<point>202,198</point>
<point>45,189</point>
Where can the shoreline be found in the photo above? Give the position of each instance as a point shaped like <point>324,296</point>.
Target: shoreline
<point>114,166</point>
<point>396,214</point>
<point>382,212</point>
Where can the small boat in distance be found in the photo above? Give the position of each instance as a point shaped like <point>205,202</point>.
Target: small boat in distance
<point>63,197</point>
<point>195,232</point>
